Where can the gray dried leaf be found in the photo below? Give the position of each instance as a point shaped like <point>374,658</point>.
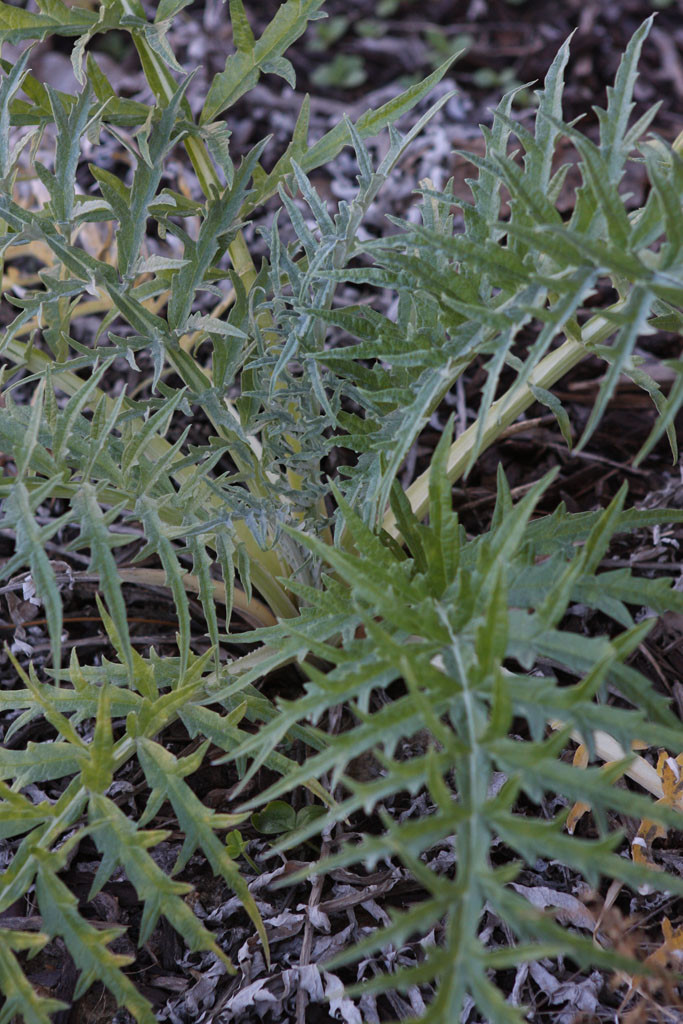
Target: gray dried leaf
<point>341,1007</point>
<point>568,909</point>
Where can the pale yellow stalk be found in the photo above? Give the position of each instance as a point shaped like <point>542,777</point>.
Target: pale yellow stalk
<point>506,410</point>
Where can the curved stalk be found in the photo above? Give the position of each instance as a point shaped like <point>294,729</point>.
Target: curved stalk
<point>608,749</point>
<point>506,409</point>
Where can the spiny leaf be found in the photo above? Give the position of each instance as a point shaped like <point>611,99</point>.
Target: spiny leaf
<point>165,775</point>
<point>222,213</point>
<point>17,25</point>
<point>86,944</point>
<point>243,69</point>
<point>21,999</point>
<point>634,318</point>
<point>369,124</point>
<point>120,842</point>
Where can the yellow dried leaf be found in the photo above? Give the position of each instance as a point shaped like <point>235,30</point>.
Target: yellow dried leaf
<point>574,817</point>
<point>669,771</point>
<point>673,943</point>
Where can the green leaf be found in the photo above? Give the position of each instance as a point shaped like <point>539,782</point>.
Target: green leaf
<point>17,24</point>
<point>133,215</point>
<point>86,944</point>
<point>243,68</point>
<point>165,775</point>
<point>633,320</point>
<point>21,999</point>
<point>550,401</point>
<point>276,817</point>
<point>369,124</point>
<point>120,842</point>
<point>222,213</point>
<point>614,121</point>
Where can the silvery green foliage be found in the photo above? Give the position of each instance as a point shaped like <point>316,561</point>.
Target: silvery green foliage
<point>443,618</point>
<point>380,598</point>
